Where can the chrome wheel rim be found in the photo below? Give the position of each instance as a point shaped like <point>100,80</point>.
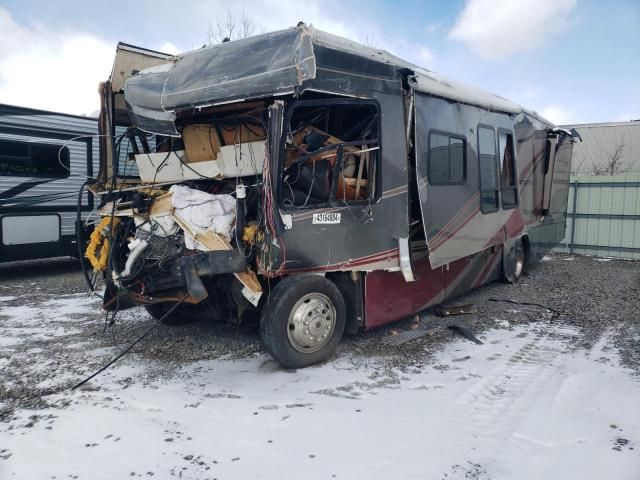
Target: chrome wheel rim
<point>311,323</point>
<point>519,262</point>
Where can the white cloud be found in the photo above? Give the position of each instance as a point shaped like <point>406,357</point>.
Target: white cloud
<point>433,27</point>
<point>57,69</point>
<point>170,48</point>
<point>626,116</point>
<point>496,30</point>
<point>51,69</point>
<point>558,115</point>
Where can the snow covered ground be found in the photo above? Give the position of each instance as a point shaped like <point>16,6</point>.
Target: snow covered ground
<point>541,398</point>
<point>527,404</point>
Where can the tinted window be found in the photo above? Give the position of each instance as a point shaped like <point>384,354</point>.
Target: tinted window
<point>488,169</point>
<point>446,159</point>
<point>508,183</point>
<point>28,159</point>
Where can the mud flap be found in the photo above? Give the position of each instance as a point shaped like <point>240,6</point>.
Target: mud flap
<point>406,266</point>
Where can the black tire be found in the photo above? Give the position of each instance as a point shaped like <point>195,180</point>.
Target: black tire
<point>515,263</point>
<point>182,315</point>
<point>299,297</point>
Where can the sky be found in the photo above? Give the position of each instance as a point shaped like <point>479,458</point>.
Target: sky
<point>573,61</point>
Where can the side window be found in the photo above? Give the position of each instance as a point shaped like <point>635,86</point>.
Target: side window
<point>508,183</point>
<point>488,169</point>
<point>447,163</point>
<point>331,153</point>
<point>27,159</point>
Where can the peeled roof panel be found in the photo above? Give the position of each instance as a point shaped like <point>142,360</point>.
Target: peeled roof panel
<point>270,64</point>
<point>250,67</point>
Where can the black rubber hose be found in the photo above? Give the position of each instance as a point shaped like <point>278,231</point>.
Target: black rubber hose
<point>133,344</point>
<point>80,240</point>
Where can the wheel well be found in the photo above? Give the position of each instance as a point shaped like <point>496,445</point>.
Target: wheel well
<point>351,285</point>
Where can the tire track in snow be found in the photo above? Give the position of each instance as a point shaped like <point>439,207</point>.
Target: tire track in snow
<point>494,405</point>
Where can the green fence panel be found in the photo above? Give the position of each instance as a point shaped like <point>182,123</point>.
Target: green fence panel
<point>605,220</point>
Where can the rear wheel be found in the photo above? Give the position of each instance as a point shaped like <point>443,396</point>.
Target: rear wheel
<point>515,263</point>
<point>304,321</point>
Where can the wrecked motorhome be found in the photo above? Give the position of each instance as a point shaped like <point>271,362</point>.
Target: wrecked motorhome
<point>321,184</point>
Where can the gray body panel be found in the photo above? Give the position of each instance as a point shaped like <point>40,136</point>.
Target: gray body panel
<point>32,196</point>
<point>455,226</point>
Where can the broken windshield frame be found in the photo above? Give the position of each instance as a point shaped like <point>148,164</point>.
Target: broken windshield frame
<point>373,144</point>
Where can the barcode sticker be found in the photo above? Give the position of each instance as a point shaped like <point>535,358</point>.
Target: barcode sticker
<point>326,218</point>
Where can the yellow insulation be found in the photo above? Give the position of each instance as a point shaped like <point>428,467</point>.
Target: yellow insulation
<point>99,241</point>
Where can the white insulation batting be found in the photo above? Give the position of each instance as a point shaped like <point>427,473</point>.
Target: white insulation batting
<point>203,212</point>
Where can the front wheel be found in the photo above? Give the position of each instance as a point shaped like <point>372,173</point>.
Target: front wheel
<point>304,321</point>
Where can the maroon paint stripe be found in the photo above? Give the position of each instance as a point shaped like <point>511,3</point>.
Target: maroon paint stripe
<point>529,166</point>
<point>454,218</point>
<point>391,253</point>
<point>452,233</point>
<point>487,268</point>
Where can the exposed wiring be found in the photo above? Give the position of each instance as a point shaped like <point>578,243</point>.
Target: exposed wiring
<point>67,142</point>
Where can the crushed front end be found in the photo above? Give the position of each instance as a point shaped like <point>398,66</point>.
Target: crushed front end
<point>182,214</point>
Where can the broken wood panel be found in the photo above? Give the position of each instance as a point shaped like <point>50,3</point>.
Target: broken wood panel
<point>201,142</point>
<point>161,205</point>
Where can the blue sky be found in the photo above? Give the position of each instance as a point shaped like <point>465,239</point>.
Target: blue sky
<point>574,61</point>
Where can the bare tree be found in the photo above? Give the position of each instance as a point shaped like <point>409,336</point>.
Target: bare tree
<point>577,162</point>
<point>231,27</point>
<point>370,40</point>
<point>614,164</point>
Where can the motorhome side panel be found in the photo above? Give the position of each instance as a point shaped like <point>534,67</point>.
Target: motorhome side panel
<point>459,153</point>
<point>38,195</point>
<point>464,237</point>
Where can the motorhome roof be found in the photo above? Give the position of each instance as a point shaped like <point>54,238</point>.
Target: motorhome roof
<point>423,80</point>
<point>278,63</point>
